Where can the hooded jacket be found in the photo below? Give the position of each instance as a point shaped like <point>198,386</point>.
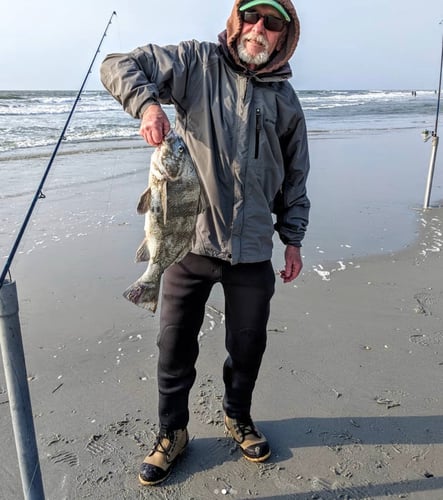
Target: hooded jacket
<point>245,131</point>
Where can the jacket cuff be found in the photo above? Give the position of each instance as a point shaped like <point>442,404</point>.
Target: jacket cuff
<point>146,104</point>
<point>285,239</point>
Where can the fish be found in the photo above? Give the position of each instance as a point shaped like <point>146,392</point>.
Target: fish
<point>171,203</point>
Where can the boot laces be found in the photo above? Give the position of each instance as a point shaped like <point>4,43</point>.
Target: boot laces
<point>247,427</point>
<point>158,444</point>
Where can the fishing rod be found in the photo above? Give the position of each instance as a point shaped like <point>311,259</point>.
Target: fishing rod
<point>39,193</point>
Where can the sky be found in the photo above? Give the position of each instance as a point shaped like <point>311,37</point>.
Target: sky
<point>344,44</point>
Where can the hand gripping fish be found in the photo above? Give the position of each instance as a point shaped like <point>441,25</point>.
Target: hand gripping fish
<point>171,203</point>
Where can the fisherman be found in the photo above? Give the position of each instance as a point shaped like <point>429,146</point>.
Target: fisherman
<point>246,132</point>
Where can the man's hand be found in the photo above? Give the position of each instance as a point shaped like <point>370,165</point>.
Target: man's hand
<point>293,264</point>
<point>155,125</point>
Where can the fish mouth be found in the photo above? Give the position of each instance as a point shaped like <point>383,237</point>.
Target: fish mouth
<point>170,135</point>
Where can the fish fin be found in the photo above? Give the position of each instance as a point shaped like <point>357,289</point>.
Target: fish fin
<point>165,201</point>
<point>143,294</point>
<point>142,254</point>
<point>144,201</point>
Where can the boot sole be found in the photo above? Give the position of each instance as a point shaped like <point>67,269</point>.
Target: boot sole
<point>256,460</point>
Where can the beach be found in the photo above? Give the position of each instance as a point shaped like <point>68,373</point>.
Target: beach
<point>349,392</point>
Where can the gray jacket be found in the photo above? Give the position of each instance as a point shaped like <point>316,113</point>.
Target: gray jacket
<point>246,134</point>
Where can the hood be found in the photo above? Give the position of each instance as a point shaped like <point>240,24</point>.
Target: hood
<point>280,58</point>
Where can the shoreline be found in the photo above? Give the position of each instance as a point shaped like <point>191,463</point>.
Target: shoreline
<point>365,190</point>
<point>79,146</point>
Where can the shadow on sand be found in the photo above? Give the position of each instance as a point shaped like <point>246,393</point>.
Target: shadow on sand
<point>366,491</point>
<point>296,433</point>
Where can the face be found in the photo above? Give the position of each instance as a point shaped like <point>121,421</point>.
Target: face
<point>256,44</point>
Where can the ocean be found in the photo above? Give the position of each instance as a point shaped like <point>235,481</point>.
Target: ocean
<point>34,119</point>
<point>367,179</point>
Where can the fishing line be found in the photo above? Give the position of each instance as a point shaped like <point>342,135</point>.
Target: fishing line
<point>39,193</point>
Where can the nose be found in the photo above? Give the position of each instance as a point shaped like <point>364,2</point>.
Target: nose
<point>259,26</point>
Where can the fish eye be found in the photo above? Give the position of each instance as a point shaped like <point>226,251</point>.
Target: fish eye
<point>181,149</point>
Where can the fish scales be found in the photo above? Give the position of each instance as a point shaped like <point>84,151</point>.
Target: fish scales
<point>171,204</point>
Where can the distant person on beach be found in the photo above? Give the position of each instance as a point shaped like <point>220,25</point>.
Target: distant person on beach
<point>245,129</point>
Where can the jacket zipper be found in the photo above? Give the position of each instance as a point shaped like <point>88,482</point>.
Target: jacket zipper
<point>257,130</point>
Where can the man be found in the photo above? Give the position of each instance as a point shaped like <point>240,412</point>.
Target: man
<point>246,132</point>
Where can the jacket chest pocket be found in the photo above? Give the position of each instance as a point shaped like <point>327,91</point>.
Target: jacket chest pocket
<point>264,124</point>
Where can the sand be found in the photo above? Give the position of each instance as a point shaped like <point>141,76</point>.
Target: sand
<point>349,394</point>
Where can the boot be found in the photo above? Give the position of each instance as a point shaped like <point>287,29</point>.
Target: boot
<point>252,442</point>
<point>157,466</point>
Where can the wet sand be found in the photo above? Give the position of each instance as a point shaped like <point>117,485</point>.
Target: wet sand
<point>349,392</point>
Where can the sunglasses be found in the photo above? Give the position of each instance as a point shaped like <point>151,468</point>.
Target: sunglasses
<point>271,23</point>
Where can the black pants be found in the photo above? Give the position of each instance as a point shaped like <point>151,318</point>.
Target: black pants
<point>248,289</point>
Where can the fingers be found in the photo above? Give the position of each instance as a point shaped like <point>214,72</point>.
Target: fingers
<point>290,273</point>
<point>154,125</point>
<point>153,136</point>
<point>293,264</point>
<point>157,135</point>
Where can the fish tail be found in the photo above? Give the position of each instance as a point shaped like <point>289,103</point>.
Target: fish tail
<point>143,294</point>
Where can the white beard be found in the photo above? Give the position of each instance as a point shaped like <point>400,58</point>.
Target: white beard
<point>258,59</point>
